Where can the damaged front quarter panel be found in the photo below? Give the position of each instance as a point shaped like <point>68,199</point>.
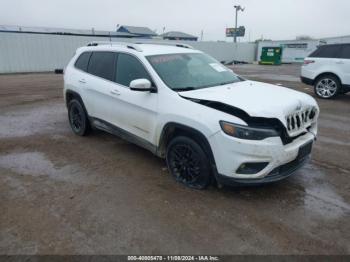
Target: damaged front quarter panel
<point>254,122</point>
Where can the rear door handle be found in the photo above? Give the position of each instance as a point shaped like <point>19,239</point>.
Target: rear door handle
<point>340,62</point>
<point>82,81</point>
<point>115,92</point>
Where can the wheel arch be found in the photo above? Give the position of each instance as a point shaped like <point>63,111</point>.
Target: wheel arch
<point>327,73</point>
<point>173,129</point>
<point>70,94</point>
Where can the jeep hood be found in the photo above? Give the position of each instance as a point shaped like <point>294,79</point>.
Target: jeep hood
<point>256,99</point>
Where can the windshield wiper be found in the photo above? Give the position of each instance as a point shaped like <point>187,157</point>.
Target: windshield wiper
<point>184,89</point>
<point>226,83</point>
<point>189,88</point>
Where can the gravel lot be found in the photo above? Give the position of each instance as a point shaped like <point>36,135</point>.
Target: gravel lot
<point>63,194</point>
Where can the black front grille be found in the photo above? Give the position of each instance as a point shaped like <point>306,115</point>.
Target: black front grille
<point>300,119</point>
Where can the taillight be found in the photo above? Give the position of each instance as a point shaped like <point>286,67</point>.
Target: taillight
<point>307,62</point>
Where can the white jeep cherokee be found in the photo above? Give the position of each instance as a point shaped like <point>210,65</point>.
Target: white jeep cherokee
<point>186,107</point>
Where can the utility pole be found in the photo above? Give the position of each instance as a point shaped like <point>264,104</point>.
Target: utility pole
<point>238,8</point>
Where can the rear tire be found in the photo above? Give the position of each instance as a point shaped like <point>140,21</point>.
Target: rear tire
<point>188,163</point>
<point>327,87</point>
<point>78,118</point>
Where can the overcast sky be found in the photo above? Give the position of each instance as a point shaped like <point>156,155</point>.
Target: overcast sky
<point>274,19</point>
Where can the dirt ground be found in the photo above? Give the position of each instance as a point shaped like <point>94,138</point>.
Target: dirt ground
<point>63,194</point>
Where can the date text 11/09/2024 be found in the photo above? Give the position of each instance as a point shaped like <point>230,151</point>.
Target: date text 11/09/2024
<point>173,258</point>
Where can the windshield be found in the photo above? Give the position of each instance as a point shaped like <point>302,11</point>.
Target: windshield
<point>188,71</point>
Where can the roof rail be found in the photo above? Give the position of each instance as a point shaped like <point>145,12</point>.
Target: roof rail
<point>112,43</point>
<point>169,44</point>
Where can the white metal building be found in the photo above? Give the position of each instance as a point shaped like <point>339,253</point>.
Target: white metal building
<point>293,51</point>
<point>336,40</point>
<point>24,49</point>
<point>35,52</point>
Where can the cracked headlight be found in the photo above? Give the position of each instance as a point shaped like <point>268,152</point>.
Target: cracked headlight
<point>247,133</point>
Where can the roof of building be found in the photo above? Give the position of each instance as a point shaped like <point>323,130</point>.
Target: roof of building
<point>64,31</point>
<point>177,34</point>
<point>138,30</point>
<point>335,37</point>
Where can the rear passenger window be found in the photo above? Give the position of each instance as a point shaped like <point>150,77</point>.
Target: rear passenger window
<point>130,68</point>
<point>83,61</point>
<point>327,51</point>
<point>345,53</point>
<point>102,64</point>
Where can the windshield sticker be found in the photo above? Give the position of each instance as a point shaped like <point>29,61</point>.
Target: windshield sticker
<point>218,67</point>
<point>165,58</point>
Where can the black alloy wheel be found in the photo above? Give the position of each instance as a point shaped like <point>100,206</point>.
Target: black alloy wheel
<point>78,118</point>
<point>188,163</point>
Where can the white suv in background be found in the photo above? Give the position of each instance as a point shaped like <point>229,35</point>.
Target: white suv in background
<point>328,70</point>
<point>184,106</point>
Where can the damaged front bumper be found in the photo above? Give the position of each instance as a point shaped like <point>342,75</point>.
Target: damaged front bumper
<point>276,175</point>
<point>281,160</point>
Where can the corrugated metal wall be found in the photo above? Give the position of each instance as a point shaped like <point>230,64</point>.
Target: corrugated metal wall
<point>228,51</point>
<point>336,40</point>
<point>22,52</point>
<point>37,53</point>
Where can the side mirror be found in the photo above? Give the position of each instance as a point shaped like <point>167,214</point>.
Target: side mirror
<point>143,85</point>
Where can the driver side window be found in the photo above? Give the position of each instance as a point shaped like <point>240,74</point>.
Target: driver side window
<point>130,68</point>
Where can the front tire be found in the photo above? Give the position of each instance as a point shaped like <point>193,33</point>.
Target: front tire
<point>78,118</point>
<point>188,163</point>
<point>327,87</point>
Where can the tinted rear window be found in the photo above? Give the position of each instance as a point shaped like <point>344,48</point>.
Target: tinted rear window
<point>345,53</point>
<point>130,68</point>
<point>102,64</point>
<point>83,61</point>
<point>327,51</point>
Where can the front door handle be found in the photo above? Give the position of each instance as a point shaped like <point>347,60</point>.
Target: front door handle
<point>115,92</point>
<point>340,62</point>
<point>83,81</point>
